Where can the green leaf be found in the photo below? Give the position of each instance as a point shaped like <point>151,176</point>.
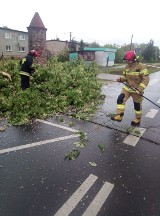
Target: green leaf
<point>71,124</point>
<point>77,144</point>
<point>110,115</point>
<point>93,164</point>
<point>133,131</point>
<point>102,147</point>
<point>129,130</point>
<point>72,155</point>
<point>2,128</point>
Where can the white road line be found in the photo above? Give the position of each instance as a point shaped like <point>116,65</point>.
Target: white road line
<point>56,125</point>
<point>71,203</point>
<point>16,148</point>
<point>151,113</point>
<point>158,101</point>
<point>151,82</point>
<point>132,139</point>
<point>99,200</point>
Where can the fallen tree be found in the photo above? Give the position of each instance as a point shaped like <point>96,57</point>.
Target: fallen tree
<point>57,87</point>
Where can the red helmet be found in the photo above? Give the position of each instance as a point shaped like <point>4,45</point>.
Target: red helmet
<point>130,56</point>
<point>34,53</point>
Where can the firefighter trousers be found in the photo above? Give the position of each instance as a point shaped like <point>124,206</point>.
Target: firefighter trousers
<point>25,82</point>
<point>137,100</point>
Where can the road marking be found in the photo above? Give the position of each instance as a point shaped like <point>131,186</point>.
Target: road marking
<point>151,113</point>
<point>151,82</point>
<point>99,200</point>
<point>56,125</point>
<point>134,137</point>
<point>158,101</point>
<point>71,203</point>
<point>2,151</point>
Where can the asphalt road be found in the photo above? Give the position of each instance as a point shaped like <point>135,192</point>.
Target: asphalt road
<point>37,180</point>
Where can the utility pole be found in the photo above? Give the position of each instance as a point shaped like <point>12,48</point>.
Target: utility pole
<point>70,38</point>
<point>131,42</point>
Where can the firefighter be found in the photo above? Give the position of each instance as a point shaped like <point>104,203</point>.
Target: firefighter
<point>26,68</point>
<point>136,76</point>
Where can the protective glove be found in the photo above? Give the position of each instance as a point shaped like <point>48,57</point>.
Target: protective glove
<point>33,70</point>
<point>119,79</point>
<point>138,92</point>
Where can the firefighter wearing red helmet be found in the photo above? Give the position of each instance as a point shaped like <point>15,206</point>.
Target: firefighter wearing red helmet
<point>26,68</point>
<point>33,53</point>
<point>136,77</point>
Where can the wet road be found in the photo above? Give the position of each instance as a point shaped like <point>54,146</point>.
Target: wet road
<point>37,180</point>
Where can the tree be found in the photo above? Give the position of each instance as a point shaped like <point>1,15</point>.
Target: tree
<point>111,46</point>
<point>126,47</point>
<point>72,45</point>
<point>149,52</point>
<point>157,54</point>
<point>94,44</point>
<point>119,55</point>
<point>82,45</point>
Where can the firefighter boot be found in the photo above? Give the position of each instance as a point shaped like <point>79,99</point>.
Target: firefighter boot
<point>136,122</point>
<point>117,117</point>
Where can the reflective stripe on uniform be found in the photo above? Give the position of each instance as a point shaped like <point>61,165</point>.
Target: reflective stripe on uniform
<point>128,89</point>
<point>142,85</point>
<point>133,73</point>
<point>24,73</point>
<point>125,71</point>
<point>138,112</point>
<point>120,106</point>
<point>145,72</point>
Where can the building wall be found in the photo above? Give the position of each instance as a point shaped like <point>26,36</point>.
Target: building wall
<point>100,57</point>
<point>15,45</point>
<point>55,46</point>
<point>104,56</point>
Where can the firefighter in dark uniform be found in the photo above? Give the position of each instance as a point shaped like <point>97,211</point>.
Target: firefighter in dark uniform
<point>26,68</point>
<point>136,76</point>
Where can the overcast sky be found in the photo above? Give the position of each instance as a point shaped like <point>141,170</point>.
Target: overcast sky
<point>103,21</point>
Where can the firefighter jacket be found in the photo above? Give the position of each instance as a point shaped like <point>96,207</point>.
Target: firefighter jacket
<point>26,65</point>
<point>135,76</point>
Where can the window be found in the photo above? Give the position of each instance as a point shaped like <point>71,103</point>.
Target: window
<point>7,35</point>
<point>21,49</point>
<point>8,48</point>
<point>21,37</point>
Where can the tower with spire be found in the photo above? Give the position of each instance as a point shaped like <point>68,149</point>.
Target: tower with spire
<point>37,38</point>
